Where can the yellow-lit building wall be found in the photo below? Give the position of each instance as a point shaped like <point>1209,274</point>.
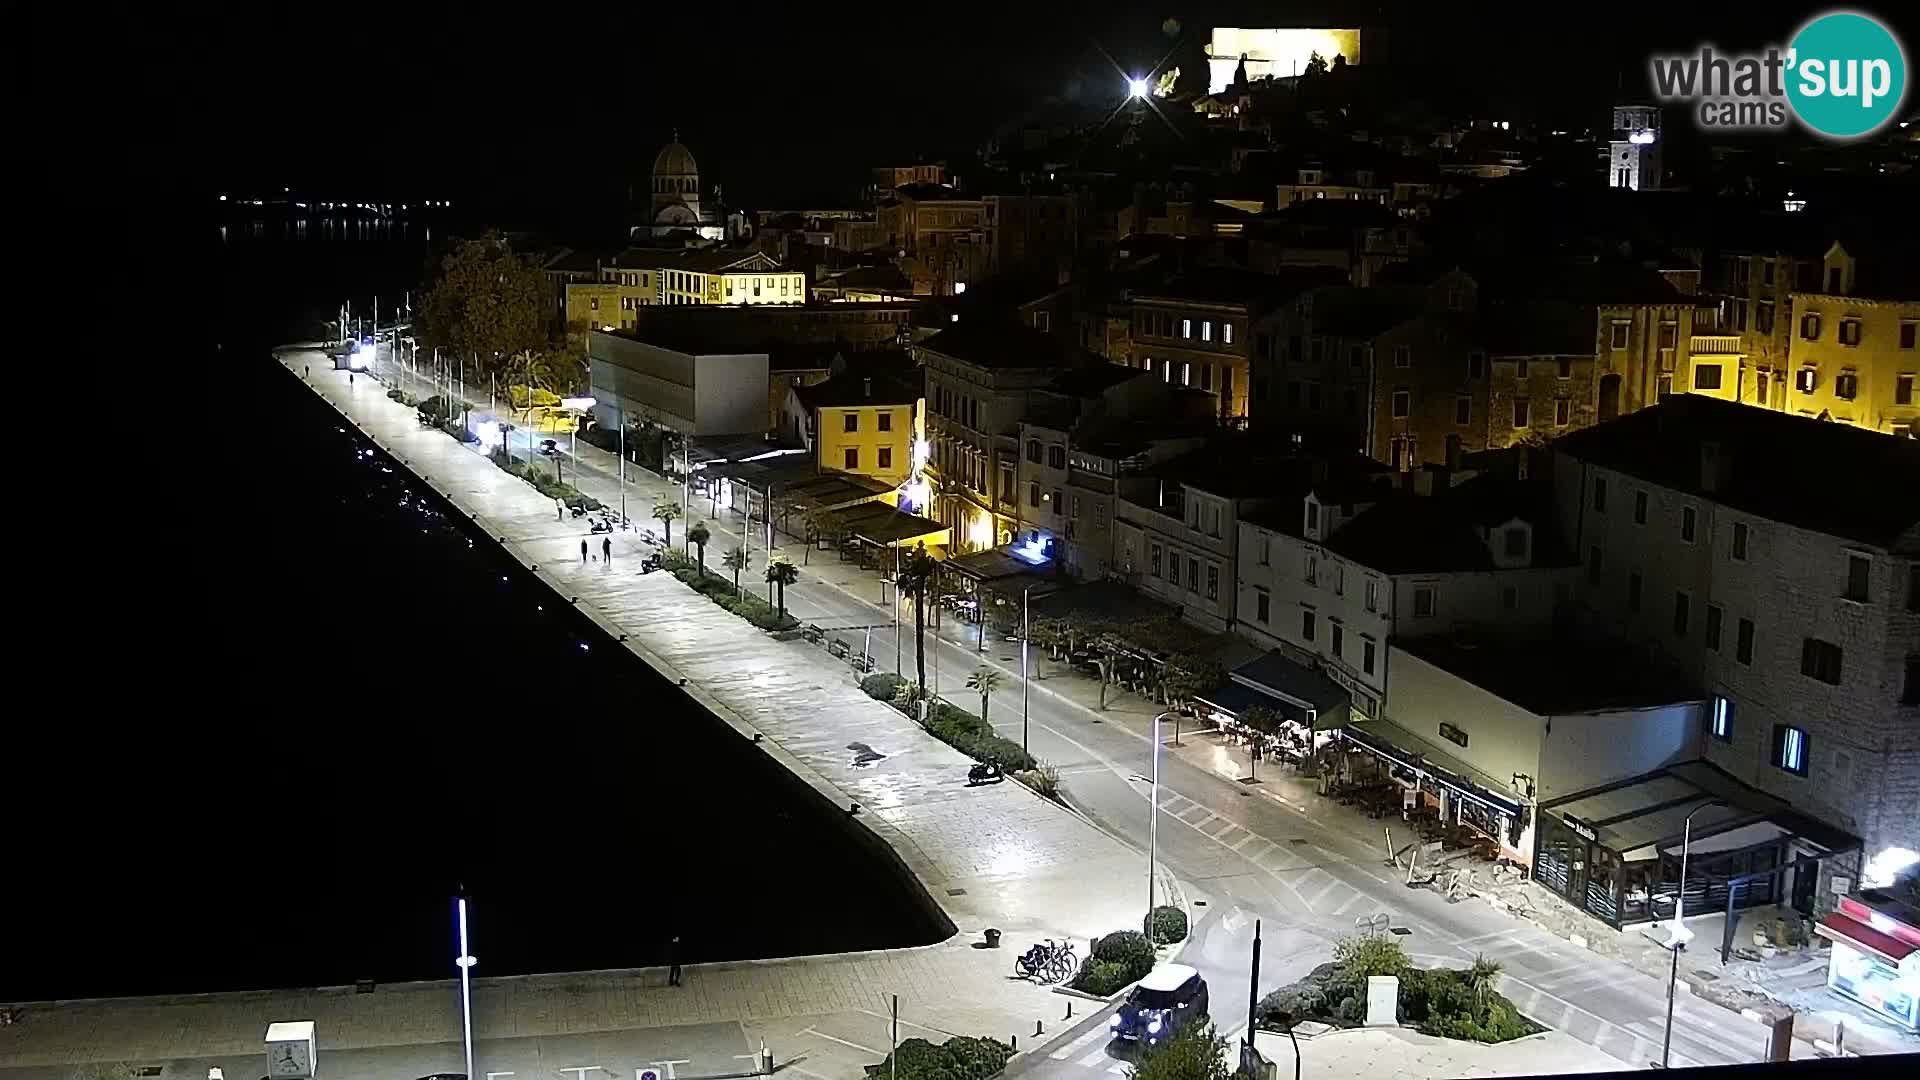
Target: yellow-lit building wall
<point>1279,52</point>
<point>868,441</point>
<point>1854,360</point>
<point>781,288</point>
<point>600,306</point>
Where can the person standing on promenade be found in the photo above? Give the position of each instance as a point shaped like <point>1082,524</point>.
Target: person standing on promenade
<point>583,553</point>
<point>606,550</point>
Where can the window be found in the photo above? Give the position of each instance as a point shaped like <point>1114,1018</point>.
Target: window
<point>1714,615</point>
<point>1153,559</point>
<point>1763,317</point>
<point>1366,657</point>
<point>1476,364</point>
<point>886,457</point>
<point>1033,493</point>
<point>1058,502</point>
<point>1907,331</point>
<point>1687,520</point>
<point>1682,605</point>
<point>1186,373</point>
<point>1720,720</point>
<point>1402,404</point>
<point>1519,412</point>
<point>1790,749</point>
<point>1373,594</point>
<point>1562,412</point>
<point>853,458</point>
<point>1820,660</point>
<point>1810,326</point>
<point>1566,368</point>
<point>1339,638</point>
<point>1226,333</point>
<point>1056,457</point>
<point>886,420</point>
<point>1509,598</point>
<point>1403,356</point>
<point>1633,590</point>
<point>1033,451</point>
<point>1664,388</point>
<point>1193,574</point>
<point>1858,569</point>
<point>1313,570</point>
<point>1849,332</point>
<point>1262,605</point>
<point>1593,565</point>
<point>1423,601</point>
<point>593,303</point>
<point>1706,376</point>
<point>1806,379</point>
<point>1173,569</point>
<point>1186,328</point>
<point>1620,335</point>
<point>1306,624</point>
<point>1599,494</point>
<point>1639,508</point>
<point>850,422</point>
<point>1213,582</point>
<point>1739,541</point>
<point>1669,334</point>
<point>1743,642</point>
<point>1265,549</point>
<point>1339,579</point>
<point>1520,367</point>
<point>1463,410</point>
<point>1903,390</point>
<point>1846,386</point>
<point>1516,543</point>
<point>1206,329</point>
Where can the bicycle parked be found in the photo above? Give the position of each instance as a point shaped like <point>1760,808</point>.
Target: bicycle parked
<point>1047,962</point>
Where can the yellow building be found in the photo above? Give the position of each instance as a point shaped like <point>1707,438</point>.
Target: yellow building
<point>605,306</point>
<point>861,422</point>
<point>724,276</point>
<point>1853,359</point>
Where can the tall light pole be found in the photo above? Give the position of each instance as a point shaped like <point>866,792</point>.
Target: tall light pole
<point>465,961</point>
<point>1677,943</point>
<point>1025,628</point>
<point>1153,825</point>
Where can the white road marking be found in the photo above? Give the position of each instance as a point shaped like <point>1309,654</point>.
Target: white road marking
<point>1093,1058</point>
<point>1077,1045</point>
<point>1242,842</point>
<point>842,1042</point>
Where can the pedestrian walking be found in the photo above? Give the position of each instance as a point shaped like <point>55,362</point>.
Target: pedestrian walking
<point>559,510</point>
<point>673,961</point>
<point>583,551</point>
<point>606,549</point>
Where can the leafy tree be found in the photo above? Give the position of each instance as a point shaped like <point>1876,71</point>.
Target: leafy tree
<point>818,522</point>
<point>984,681</point>
<point>736,560</point>
<point>780,574</point>
<point>1261,719</point>
<point>1194,1053</point>
<point>1480,979</point>
<point>664,511</point>
<point>103,1070</point>
<point>698,537</point>
<point>916,573</point>
<point>1187,676</point>
<point>486,302</point>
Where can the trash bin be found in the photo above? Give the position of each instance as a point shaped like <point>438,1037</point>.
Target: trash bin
<point>993,938</point>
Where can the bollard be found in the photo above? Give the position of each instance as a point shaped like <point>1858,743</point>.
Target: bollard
<point>1069,1015</point>
<point>766,1059</point>
<point>1037,1029</point>
<point>1015,1043</point>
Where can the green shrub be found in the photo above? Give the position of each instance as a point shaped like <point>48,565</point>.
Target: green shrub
<point>1042,778</point>
<point>1167,924</point>
<point>1101,978</point>
<point>1368,955</point>
<point>1195,1052</point>
<point>881,686</point>
<point>1305,1000</point>
<point>959,1058</point>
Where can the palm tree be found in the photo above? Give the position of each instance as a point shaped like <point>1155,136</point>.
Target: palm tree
<point>916,572</point>
<point>1480,979</point>
<point>698,537</point>
<point>984,681</point>
<point>664,511</point>
<point>736,561</point>
<point>780,574</point>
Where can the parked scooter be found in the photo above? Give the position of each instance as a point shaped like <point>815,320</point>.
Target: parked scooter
<point>986,772</point>
<point>650,563</point>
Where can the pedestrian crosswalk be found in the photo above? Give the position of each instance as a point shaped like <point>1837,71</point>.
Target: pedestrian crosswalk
<point>1299,867</point>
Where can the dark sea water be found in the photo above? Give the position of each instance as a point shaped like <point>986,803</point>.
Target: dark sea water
<point>314,706</point>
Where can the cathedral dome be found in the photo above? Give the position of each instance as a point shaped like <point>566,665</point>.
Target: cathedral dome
<point>675,160</point>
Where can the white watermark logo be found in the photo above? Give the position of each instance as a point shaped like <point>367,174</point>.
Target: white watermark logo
<point>1843,76</point>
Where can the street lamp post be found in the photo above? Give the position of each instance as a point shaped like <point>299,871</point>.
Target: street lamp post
<point>1677,943</point>
<point>1025,628</point>
<point>1153,825</point>
<point>465,962</point>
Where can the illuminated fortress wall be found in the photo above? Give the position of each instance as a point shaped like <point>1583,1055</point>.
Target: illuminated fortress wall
<point>1278,53</point>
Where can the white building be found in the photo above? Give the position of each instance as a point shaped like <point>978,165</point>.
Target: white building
<point>1335,577</point>
<point>693,390</point>
<point>1633,155</point>
<point>1773,559</point>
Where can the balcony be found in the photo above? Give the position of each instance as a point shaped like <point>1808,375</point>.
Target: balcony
<point>1715,345</point>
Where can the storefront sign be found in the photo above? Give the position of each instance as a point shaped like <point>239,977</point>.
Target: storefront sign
<point>1580,828</point>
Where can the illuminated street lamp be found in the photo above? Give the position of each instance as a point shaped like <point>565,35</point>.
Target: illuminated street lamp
<point>465,962</point>
<point>1136,88</point>
<point>1676,943</point>
<point>1153,824</point>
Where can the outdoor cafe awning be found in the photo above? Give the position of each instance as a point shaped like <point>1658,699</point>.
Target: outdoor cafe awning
<point>1404,750</point>
<point>993,567</point>
<point>885,526</point>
